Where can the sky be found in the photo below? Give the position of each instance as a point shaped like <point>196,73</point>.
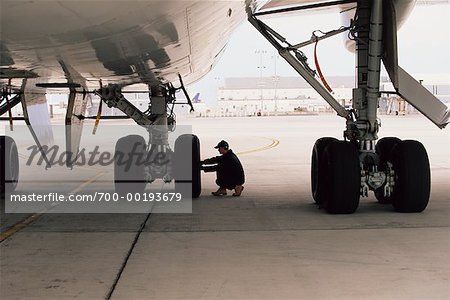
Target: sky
<point>423,45</point>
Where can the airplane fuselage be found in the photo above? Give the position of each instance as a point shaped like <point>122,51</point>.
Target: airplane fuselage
<point>125,42</point>
<point>117,41</point>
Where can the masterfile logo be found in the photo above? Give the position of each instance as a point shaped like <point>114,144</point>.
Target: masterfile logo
<point>122,169</point>
<point>58,157</point>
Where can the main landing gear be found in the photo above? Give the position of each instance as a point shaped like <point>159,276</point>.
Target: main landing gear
<point>138,162</point>
<point>336,192</point>
<point>397,171</point>
<point>401,176</point>
<point>136,165</point>
<point>9,165</point>
<point>9,156</point>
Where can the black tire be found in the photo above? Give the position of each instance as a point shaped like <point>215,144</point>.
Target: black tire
<point>318,182</point>
<point>384,149</point>
<point>343,178</point>
<point>413,179</point>
<point>182,167</point>
<point>9,165</point>
<point>129,175</point>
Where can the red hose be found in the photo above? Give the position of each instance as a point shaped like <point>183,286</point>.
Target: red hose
<point>316,61</point>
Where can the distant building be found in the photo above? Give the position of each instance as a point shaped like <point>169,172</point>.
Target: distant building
<point>266,95</point>
<point>273,95</point>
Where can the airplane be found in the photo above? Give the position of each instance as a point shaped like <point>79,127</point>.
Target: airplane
<point>196,98</point>
<point>101,47</point>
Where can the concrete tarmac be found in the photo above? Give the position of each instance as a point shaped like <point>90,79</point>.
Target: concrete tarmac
<point>272,242</point>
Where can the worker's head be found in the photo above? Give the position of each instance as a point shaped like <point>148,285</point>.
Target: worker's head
<point>222,146</point>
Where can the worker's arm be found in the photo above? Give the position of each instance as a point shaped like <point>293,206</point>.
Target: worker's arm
<point>211,161</point>
<point>210,164</point>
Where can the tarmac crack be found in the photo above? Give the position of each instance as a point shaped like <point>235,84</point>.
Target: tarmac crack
<point>127,257</point>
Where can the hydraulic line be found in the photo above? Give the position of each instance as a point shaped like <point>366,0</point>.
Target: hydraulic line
<point>319,71</point>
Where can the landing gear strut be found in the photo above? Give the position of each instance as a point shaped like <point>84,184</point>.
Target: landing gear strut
<point>343,171</point>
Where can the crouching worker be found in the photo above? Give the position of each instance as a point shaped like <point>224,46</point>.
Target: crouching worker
<point>230,173</point>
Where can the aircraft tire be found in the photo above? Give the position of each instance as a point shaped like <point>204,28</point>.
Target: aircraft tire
<point>343,178</point>
<point>413,178</point>
<point>9,165</point>
<point>182,167</point>
<point>384,149</point>
<point>318,182</point>
<point>129,176</point>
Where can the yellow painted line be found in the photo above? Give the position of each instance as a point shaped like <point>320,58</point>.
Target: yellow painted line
<point>86,183</point>
<point>272,145</point>
<point>19,226</point>
<point>27,221</point>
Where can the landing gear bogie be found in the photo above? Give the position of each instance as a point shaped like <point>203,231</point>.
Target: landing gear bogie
<point>397,171</point>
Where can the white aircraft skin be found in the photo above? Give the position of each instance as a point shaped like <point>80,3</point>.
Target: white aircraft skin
<point>102,46</point>
<point>124,42</point>
<point>117,41</point>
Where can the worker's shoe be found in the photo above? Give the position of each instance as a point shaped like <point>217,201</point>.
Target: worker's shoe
<point>238,190</point>
<point>220,192</point>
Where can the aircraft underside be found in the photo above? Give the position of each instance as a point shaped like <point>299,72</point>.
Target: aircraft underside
<point>342,171</point>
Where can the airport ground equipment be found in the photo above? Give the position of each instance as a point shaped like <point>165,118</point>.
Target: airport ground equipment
<point>343,171</point>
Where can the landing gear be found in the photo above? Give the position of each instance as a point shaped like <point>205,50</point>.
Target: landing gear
<point>343,171</point>
<point>142,164</point>
<point>384,149</point>
<point>188,173</point>
<point>410,186</point>
<point>318,169</point>
<point>129,165</point>
<point>400,176</point>
<point>9,165</point>
<point>412,168</point>
<point>341,177</point>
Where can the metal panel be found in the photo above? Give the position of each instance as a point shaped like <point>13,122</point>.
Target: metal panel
<point>424,101</point>
<point>390,58</point>
<point>35,111</point>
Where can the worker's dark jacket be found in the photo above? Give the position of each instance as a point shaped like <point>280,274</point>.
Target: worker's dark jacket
<point>229,170</point>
